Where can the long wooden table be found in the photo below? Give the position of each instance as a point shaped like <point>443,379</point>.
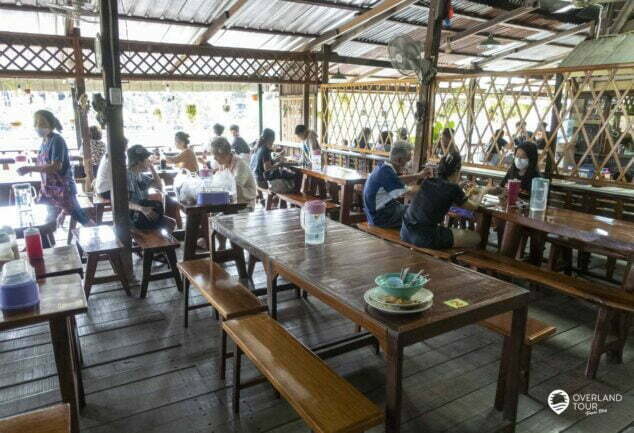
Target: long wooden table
<point>593,230</point>
<point>61,298</point>
<point>345,179</point>
<point>344,267</point>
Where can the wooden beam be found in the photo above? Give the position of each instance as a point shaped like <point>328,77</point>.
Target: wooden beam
<point>426,95</point>
<point>217,24</point>
<point>538,43</point>
<point>367,24</point>
<point>370,73</point>
<point>116,147</point>
<point>361,61</point>
<point>379,12</point>
<point>528,7</point>
<point>622,17</point>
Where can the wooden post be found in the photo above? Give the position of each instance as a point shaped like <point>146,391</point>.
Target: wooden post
<point>427,94</point>
<point>81,120</point>
<point>260,113</point>
<point>306,106</point>
<point>555,123</point>
<point>116,147</point>
<point>471,117</point>
<point>326,52</point>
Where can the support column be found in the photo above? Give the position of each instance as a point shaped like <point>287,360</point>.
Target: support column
<point>306,106</point>
<point>555,123</point>
<point>260,108</point>
<point>326,51</point>
<point>427,94</point>
<point>470,116</point>
<point>116,147</point>
<point>81,119</point>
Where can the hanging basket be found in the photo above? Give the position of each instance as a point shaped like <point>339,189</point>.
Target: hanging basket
<point>629,105</point>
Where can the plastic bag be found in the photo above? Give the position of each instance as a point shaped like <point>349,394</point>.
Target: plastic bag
<point>223,180</point>
<point>187,188</point>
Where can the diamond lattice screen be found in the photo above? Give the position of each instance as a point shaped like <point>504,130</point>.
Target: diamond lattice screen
<point>376,111</point>
<point>583,126</point>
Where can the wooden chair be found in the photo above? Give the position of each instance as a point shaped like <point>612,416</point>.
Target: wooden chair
<point>52,419</point>
<point>394,235</point>
<point>536,331</point>
<point>224,293</point>
<point>266,197</point>
<point>152,243</point>
<point>326,401</point>
<point>101,243</point>
<point>615,305</point>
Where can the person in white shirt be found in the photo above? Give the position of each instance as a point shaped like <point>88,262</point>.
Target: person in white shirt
<point>310,143</point>
<point>103,184</point>
<point>246,190</point>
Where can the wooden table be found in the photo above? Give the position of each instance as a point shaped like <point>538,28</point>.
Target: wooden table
<point>42,217</point>
<point>61,298</point>
<point>57,261</point>
<point>341,270</point>
<point>598,231</point>
<point>345,179</point>
<point>195,215</point>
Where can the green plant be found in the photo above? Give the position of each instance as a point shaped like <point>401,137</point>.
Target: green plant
<point>191,112</point>
<point>438,128</point>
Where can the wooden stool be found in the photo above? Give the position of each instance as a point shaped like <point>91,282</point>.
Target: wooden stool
<point>101,205</point>
<point>101,243</point>
<point>52,419</point>
<point>156,242</point>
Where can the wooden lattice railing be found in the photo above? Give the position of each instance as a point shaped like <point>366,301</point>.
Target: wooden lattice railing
<point>53,57</point>
<point>582,118</point>
<point>369,116</point>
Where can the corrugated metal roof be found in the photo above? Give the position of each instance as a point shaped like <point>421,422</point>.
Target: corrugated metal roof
<point>304,18</point>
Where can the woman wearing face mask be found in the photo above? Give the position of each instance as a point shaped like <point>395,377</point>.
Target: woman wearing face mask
<point>53,163</point>
<point>524,167</point>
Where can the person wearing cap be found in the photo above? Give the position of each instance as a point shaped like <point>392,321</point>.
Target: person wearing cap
<point>187,158</point>
<point>139,182</point>
<point>238,145</point>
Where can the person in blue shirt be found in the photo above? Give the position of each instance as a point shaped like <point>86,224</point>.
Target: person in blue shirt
<point>385,186</point>
<point>53,163</point>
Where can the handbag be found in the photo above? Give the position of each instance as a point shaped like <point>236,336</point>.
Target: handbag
<point>141,222</point>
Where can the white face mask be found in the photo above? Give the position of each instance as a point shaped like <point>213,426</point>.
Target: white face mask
<point>42,132</point>
<point>521,163</point>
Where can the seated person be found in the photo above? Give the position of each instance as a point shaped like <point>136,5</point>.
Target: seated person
<point>262,161</point>
<point>424,216</point>
<point>384,187</point>
<point>187,158</point>
<point>102,185</point>
<point>144,212</point>
<point>524,168</point>
<point>246,191</point>
<point>496,147</point>
<point>238,145</point>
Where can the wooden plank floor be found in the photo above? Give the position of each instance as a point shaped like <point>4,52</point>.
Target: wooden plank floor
<point>145,373</point>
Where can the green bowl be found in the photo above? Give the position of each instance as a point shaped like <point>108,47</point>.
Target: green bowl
<point>390,283</point>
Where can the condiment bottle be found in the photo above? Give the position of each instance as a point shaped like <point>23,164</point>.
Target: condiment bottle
<point>33,241</point>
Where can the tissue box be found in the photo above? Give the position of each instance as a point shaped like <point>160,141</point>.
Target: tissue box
<point>213,198</point>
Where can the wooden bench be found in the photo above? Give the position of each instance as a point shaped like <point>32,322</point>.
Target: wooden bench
<point>299,199</point>
<point>53,419</point>
<point>101,243</point>
<point>612,302</point>
<point>326,401</point>
<point>224,293</point>
<point>394,235</point>
<point>536,331</point>
<point>153,243</point>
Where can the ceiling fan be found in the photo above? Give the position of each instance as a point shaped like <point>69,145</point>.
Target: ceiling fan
<point>582,4</point>
<point>77,10</point>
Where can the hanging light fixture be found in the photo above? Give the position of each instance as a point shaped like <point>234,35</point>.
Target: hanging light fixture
<point>338,75</point>
<point>490,43</point>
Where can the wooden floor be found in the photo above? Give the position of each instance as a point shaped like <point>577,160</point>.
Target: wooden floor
<point>145,373</point>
